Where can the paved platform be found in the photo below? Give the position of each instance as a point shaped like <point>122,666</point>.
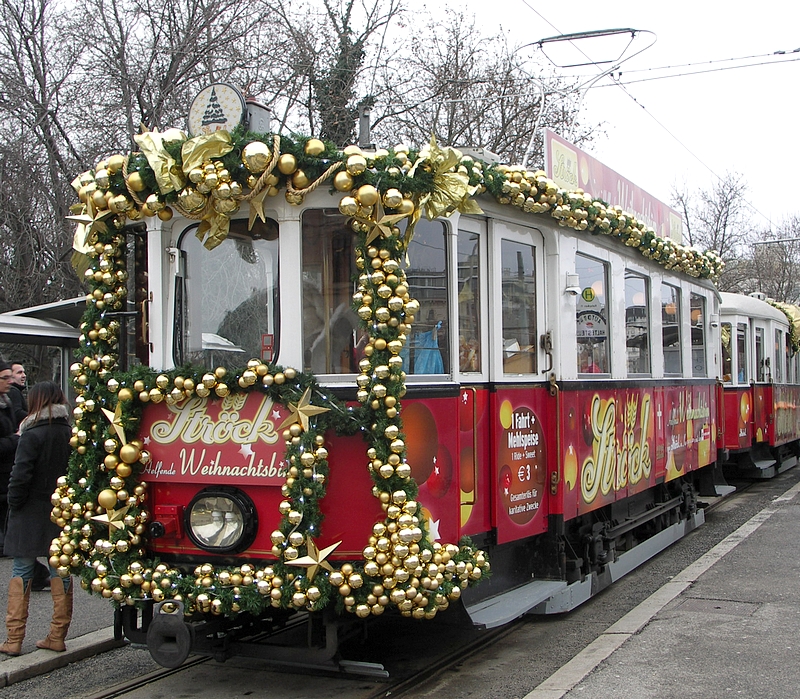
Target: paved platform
<point>91,631</point>
<point>727,625</point>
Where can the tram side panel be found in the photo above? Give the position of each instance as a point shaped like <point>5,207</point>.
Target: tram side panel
<point>785,427</point>
<point>738,432</point>
<point>620,442</point>
<point>525,442</point>
<point>474,459</point>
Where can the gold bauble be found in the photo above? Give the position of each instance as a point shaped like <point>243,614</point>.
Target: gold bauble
<point>287,163</point>
<point>191,200</point>
<point>367,195</point>
<point>353,150</point>
<point>165,214</point>
<point>314,147</point>
<point>348,206</point>
<point>123,470</point>
<point>256,156</point>
<point>392,198</point>
<point>135,182</point>
<point>342,181</point>
<point>300,180</point>
<point>356,164</point>
<point>221,390</point>
<point>107,498</point>
<point>99,199</point>
<point>125,395</point>
<point>129,453</point>
<point>115,163</point>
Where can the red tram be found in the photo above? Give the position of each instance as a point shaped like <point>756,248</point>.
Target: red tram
<point>295,423</point>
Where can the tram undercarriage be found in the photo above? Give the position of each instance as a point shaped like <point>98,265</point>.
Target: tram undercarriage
<point>588,553</point>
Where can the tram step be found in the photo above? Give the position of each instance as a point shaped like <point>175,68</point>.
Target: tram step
<point>506,607</point>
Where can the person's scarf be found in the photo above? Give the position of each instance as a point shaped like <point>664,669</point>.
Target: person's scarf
<point>48,413</point>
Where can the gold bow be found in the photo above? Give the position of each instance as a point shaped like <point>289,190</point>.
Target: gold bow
<point>168,176</point>
<point>451,189</point>
<point>204,147</point>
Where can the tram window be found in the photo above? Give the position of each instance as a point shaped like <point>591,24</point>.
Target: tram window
<point>427,349</point>
<point>777,363</point>
<point>727,355</point>
<point>519,307</point>
<point>741,353</point>
<point>786,356</point>
<point>760,364</point>
<point>331,335</point>
<point>469,302</point>
<point>591,317</point>
<point>637,323</point>
<point>227,305</point>
<point>697,309</point>
<point>671,328</point>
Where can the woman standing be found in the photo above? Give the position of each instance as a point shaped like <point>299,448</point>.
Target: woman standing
<point>42,455</point>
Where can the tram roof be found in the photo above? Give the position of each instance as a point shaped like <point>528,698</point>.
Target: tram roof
<point>750,306</point>
<point>68,311</point>
<point>48,324</point>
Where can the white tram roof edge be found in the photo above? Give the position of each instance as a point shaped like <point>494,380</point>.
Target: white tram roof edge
<point>750,306</point>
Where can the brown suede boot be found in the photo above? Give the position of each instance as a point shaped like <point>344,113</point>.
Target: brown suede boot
<point>62,616</point>
<point>16,616</point>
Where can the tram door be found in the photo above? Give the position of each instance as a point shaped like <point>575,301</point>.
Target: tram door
<point>523,413</point>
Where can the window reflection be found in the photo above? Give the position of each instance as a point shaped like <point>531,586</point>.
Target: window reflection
<point>426,350</point>
<point>331,336</point>
<point>519,307</point>
<point>697,310</point>
<point>469,302</point>
<point>637,324</point>
<point>227,300</point>
<point>671,328</point>
<point>591,316</point>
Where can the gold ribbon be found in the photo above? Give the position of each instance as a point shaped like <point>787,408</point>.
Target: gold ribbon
<point>204,147</point>
<point>213,229</point>
<point>168,176</point>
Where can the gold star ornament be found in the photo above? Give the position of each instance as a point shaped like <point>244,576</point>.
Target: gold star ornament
<point>115,419</point>
<point>113,518</point>
<point>382,224</point>
<point>315,559</point>
<point>302,411</point>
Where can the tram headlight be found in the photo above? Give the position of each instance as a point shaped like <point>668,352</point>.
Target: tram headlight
<point>221,520</point>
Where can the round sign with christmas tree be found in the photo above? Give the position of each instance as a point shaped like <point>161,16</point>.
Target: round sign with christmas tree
<point>218,107</point>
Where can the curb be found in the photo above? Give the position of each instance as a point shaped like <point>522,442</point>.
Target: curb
<point>40,661</point>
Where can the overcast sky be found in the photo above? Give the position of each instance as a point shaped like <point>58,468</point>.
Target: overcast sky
<point>683,129</point>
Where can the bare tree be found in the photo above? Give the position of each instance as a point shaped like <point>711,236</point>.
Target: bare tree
<point>37,154</point>
<point>716,220</point>
<point>469,89</point>
<point>328,52</point>
<point>65,104</point>
<point>775,267</point>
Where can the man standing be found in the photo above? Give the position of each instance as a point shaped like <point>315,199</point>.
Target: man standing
<point>16,393</point>
<point>8,444</point>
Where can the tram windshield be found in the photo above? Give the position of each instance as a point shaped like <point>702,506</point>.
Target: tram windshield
<point>227,300</point>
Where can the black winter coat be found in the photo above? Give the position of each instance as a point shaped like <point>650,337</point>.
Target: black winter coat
<point>42,456</point>
<point>8,443</point>
<point>18,402</point>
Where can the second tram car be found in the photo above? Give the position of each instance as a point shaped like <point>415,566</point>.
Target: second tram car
<point>555,401</point>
